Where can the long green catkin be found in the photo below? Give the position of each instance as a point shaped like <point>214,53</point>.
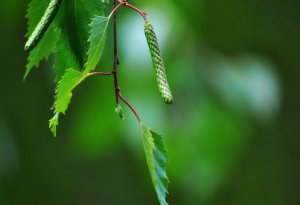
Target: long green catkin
<point>158,64</point>
<point>43,25</point>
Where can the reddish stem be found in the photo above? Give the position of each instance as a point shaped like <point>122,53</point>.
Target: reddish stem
<point>116,8</point>
<point>131,107</point>
<point>116,63</point>
<point>99,73</point>
<point>124,3</point>
<point>143,14</point>
<point>114,71</point>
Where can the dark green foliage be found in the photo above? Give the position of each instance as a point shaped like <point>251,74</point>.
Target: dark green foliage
<point>74,19</point>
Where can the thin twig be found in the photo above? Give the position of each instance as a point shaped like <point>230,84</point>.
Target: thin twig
<point>116,8</point>
<point>131,107</point>
<point>143,14</point>
<point>115,67</point>
<point>99,73</point>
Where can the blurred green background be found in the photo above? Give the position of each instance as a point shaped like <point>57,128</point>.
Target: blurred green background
<point>232,133</point>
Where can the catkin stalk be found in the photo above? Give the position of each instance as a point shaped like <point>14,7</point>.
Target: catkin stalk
<point>158,64</point>
<point>43,25</point>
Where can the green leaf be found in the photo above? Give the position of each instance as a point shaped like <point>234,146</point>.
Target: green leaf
<point>64,94</point>
<point>47,44</point>
<point>53,122</point>
<point>64,59</point>
<point>73,20</point>
<point>64,89</point>
<point>97,41</point>
<point>69,33</point>
<point>157,160</point>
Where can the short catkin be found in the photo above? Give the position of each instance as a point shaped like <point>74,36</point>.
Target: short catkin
<point>158,64</point>
<point>43,25</point>
<point>119,111</point>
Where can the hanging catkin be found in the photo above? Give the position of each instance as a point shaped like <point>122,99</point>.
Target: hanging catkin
<point>43,25</point>
<point>119,111</point>
<point>158,64</point>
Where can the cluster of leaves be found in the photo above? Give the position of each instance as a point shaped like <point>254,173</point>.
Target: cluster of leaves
<point>77,37</point>
<point>77,43</point>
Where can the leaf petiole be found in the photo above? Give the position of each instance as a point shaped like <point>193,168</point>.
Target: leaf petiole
<point>98,73</point>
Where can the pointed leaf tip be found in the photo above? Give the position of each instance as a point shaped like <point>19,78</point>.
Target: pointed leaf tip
<point>53,122</point>
<point>64,94</point>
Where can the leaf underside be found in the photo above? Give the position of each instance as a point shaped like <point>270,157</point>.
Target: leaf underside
<point>157,160</point>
